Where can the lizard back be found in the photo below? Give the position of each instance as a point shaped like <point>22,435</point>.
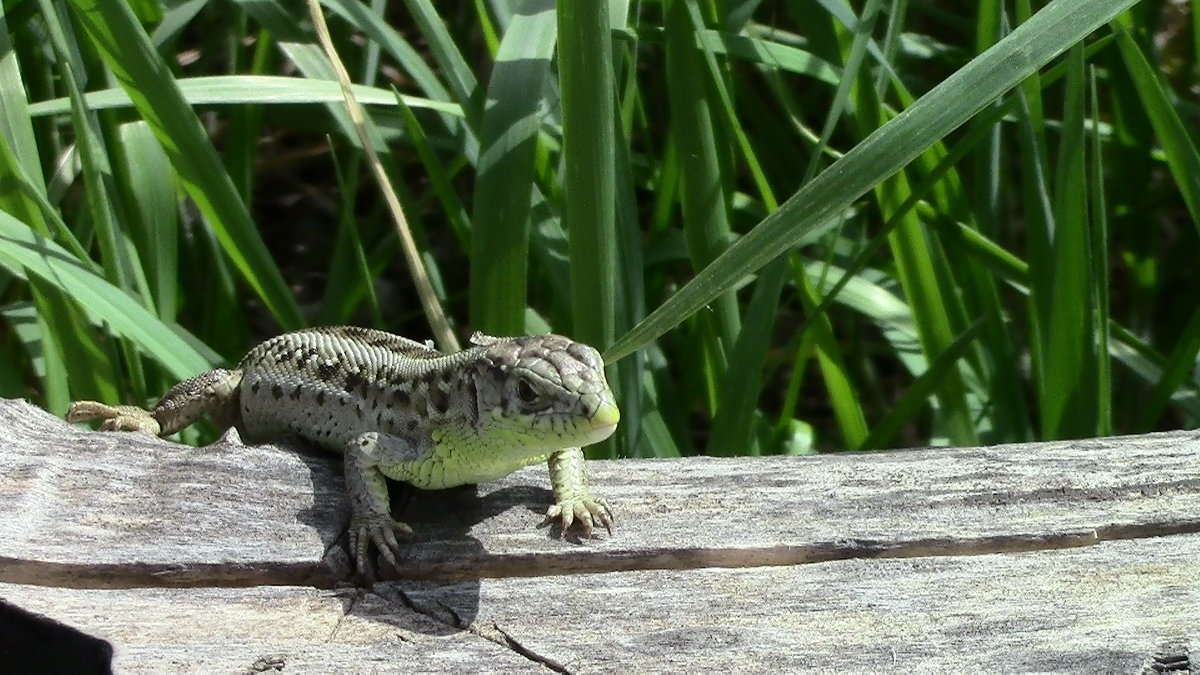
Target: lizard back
<point>328,385</point>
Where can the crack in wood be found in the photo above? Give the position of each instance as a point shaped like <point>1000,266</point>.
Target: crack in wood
<point>352,601</point>
<point>483,565</point>
<point>148,575</point>
<point>521,649</point>
<point>395,593</point>
<point>531,565</point>
<point>1172,656</point>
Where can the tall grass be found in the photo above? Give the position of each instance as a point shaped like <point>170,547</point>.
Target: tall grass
<point>789,226</point>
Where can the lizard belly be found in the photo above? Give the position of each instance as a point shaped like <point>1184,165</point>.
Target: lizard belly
<point>458,456</point>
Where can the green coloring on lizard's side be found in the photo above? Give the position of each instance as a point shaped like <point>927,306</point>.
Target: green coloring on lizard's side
<point>399,409</point>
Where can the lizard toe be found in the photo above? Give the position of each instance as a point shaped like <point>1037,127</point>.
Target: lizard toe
<point>586,512</point>
<point>381,531</point>
<point>603,514</point>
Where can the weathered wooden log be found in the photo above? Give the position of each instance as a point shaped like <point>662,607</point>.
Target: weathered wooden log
<point>1081,555</point>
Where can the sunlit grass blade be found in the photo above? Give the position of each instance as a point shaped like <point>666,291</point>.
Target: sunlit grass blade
<point>452,64</point>
<point>262,89</point>
<point>97,172</point>
<point>15,123</point>
<point>504,183</point>
<point>844,397</point>
<point>586,89</point>
<point>152,209</point>
<point>462,81</point>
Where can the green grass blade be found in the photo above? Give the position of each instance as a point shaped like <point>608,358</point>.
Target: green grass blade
<point>15,124</point>
<point>439,177</point>
<point>732,427</point>
<point>587,87</point>
<point>152,208</point>
<point>260,89</point>
<point>1063,294</point>
<point>844,397</point>
<point>702,191</point>
<point>450,60</point>
<point>1100,274</point>
<point>585,70</point>
<point>1183,157</point>
<point>505,180</point>
<point>23,320</point>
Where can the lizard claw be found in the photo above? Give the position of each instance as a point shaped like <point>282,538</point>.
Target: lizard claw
<point>587,511</point>
<point>378,530</point>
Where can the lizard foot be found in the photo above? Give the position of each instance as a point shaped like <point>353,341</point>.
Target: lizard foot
<point>116,417</point>
<point>587,511</point>
<point>379,530</point>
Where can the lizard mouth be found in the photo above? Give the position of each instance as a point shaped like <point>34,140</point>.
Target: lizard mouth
<point>604,422</point>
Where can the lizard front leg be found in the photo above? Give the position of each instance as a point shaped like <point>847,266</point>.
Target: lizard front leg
<point>572,495</point>
<point>214,392</point>
<point>370,519</point>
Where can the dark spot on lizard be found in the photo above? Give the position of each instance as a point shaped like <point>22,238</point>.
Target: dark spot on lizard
<point>439,399</point>
<point>327,370</point>
<point>296,393</point>
<point>353,381</point>
<point>255,387</point>
<point>401,398</point>
<point>321,398</point>
<point>277,392</point>
<point>411,425</point>
<point>284,356</point>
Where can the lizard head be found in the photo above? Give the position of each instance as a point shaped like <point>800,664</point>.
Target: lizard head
<point>543,391</point>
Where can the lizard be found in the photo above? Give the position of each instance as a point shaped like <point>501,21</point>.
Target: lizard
<point>396,408</point>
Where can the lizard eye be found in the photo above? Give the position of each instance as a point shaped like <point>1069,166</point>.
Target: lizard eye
<point>526,393</point>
